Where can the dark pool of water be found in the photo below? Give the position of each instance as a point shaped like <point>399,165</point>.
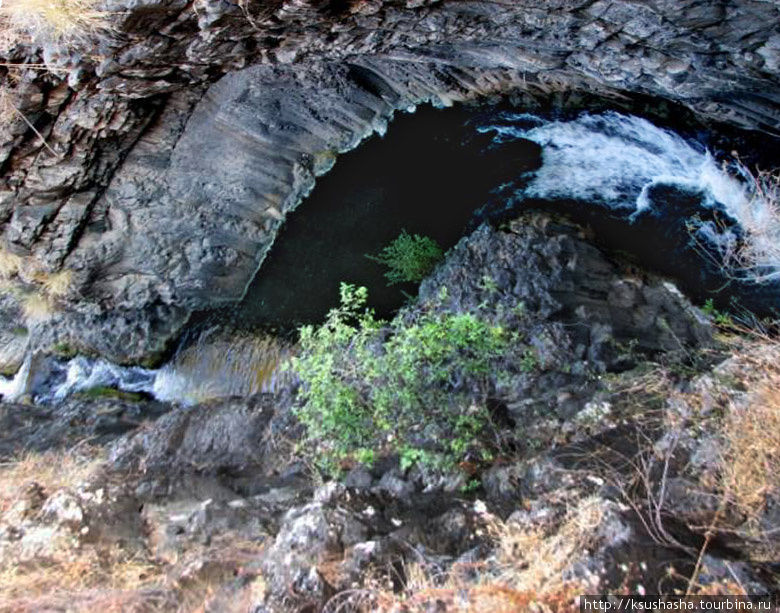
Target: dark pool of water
<point>434,174</point>
<point>426,176</point>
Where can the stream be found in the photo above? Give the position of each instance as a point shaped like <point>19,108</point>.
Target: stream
<point>660,197</point>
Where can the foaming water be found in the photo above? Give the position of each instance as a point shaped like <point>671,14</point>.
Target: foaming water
<point>616,161</point>
<point>653,192</point>
<point>13,388</point>
<point>217,365</point>
<point>83,373</point>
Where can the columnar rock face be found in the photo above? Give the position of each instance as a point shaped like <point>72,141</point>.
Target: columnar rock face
<point>177,146</point>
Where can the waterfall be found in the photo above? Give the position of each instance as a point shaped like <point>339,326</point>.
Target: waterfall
<point>615,160</point>
<point>13,388</point>
<point>609,159</point>
<point>216,365</point>
<point>220,365</point>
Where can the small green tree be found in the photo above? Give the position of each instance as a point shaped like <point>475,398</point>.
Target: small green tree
<point>409,258</point>
<point>369,387</point>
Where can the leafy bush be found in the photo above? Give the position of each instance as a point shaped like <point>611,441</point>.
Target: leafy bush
<point>409,258</point>
<point>368,387</point>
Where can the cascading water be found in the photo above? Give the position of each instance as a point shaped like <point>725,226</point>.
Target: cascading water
<point>215,366</point>
<point>617,165</point>
<point>221,365</point>
<point>616,161</point>
<point>12,388</point>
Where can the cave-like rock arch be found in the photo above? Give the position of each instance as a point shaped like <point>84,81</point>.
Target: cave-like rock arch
<point>191,210</point>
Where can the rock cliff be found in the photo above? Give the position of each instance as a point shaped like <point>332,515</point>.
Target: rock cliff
<point>629,455</point>
<point>177,142</point>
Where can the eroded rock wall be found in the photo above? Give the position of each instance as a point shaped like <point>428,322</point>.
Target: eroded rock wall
<point>183,139</point>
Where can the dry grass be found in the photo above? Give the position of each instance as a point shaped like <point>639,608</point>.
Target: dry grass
<point>751,463</point>
<point>129,601</point>
<point>525,574</point>
<point>760,252</point>
<point>59,20</point>
<point>52,285</point>
<point>36,476</point>
<point>56,285</point>
<point>10,263</point>
<point>50,470</point>
<point>756,256</point>
<point>83,573</point>
<point>29,586</point>
<point>532,560</point>
<point>489,598</point>
<point>455,596</point>
<point>92,578</point>
<point>36,307</point>
<point>752,469</point>
<point>37,303</point>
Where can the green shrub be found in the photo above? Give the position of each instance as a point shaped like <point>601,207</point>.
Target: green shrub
<point>409,258</point>
<point>64,350</point>
<point>368,387</point>
<point>720,318</point>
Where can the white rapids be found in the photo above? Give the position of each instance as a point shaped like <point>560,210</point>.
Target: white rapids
<point>615,160</point>
<point>13,388</point>
<point>608,159</point>
<point>213,367</point>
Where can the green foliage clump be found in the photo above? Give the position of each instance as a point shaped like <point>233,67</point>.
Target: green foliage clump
<point>529,361</point>
<point>367,387</point>
<point>409,258</point>
<point>103,391</point>
<point>64,350</point>
<point>720,318</point>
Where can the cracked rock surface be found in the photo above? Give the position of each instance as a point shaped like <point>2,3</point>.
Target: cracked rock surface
<point>177,145</point>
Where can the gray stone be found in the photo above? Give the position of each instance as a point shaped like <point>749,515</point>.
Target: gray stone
<point>358,478</point>
<point>228,435</point>
<point>394,486</point>
<point>180,195</point>
<point>503,485</point>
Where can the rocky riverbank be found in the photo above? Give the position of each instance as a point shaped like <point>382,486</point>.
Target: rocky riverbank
<point>635,453</point>
<point>617,438</point>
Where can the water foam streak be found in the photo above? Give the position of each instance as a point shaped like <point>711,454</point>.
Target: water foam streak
<point>13,388</point>
<point>616,160</point>
<point>215,366</point>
